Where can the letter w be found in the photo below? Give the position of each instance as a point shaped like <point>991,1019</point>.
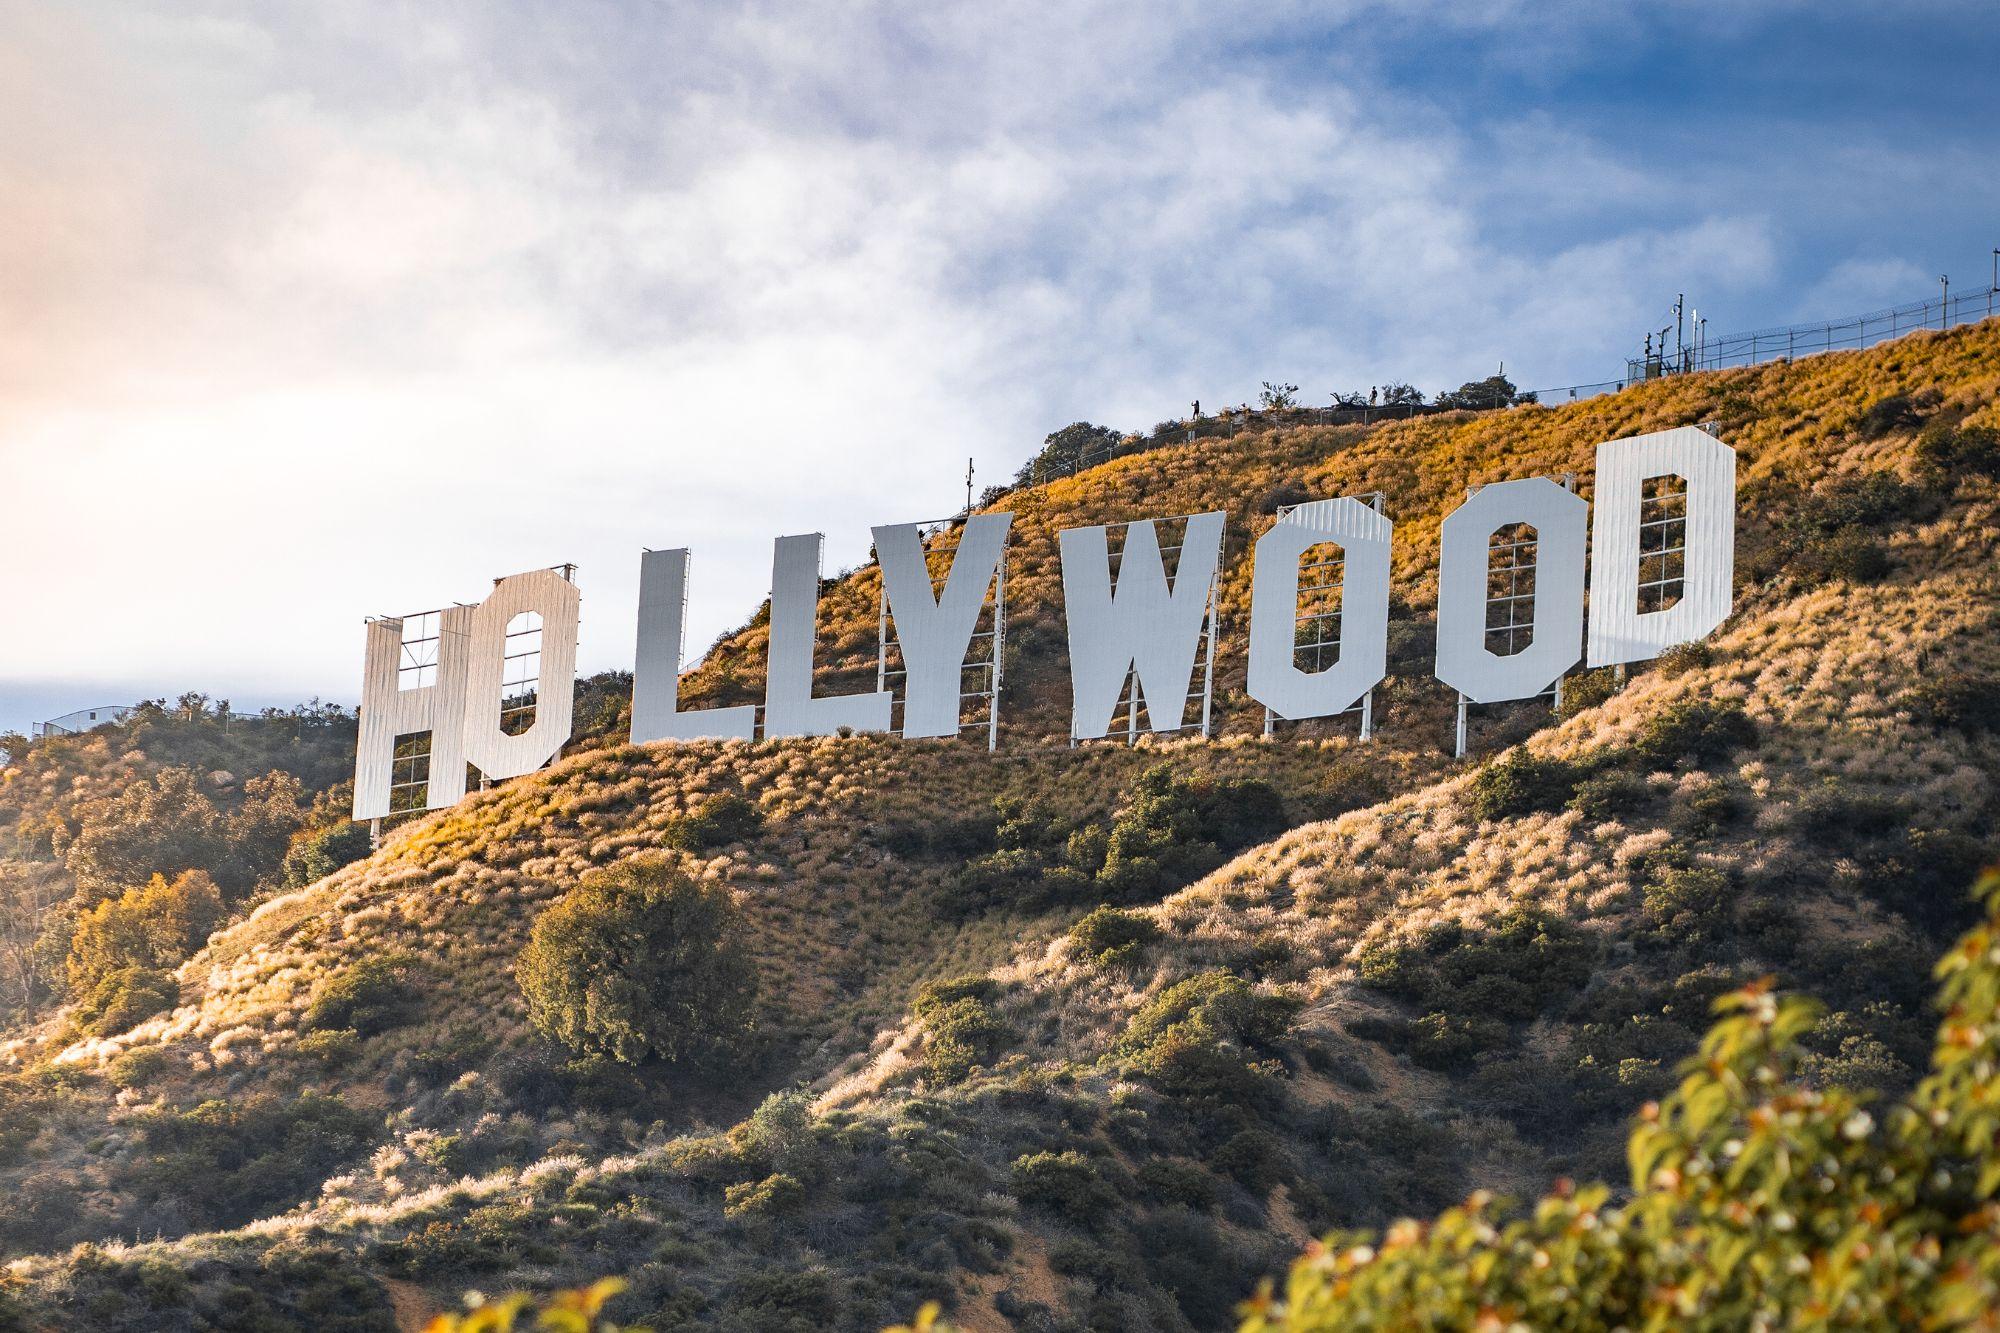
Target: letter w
<point>1143,626</point>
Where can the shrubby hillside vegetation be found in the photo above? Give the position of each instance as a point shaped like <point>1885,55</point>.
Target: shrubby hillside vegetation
<point>1058,1039</point>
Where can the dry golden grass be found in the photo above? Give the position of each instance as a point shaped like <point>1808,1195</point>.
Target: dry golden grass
<point>839,925</point>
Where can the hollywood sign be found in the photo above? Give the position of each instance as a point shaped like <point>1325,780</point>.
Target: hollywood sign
<point>490,684</point>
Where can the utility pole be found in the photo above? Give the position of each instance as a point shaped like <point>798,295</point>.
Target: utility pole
<point>1680,347</point>
<point>968,486</point>
<point>1944,310</point>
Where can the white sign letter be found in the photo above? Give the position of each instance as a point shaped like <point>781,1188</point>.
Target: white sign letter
<point>656,671</point>
<point>545,667</point>
<point>935,630</point>
<point>1464,662</point>
<point>789,706</point>
<point>1142,625</point>
<point>1631,549</point>
<point>473,672</point>
<point>1275,679</point>
<point>389,711</point>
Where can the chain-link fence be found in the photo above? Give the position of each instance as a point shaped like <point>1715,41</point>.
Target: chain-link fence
<point>1792,340</point>
<point>1702,353</point>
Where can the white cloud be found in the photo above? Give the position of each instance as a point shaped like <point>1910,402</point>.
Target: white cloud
<point>1859,285</point>
<point>585,280</point>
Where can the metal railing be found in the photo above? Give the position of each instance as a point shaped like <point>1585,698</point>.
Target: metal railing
<point>1703,352</point>
<point>1830,335</point>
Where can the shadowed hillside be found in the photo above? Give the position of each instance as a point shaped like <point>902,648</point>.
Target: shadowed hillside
<point>1093,1038</point>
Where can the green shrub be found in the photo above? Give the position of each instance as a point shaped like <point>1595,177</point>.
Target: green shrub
<point>1896,412</point>
<point>1471,986</point>
<point>639,961</point>
<point>332,1046</point>
<point>1525,964</point>
<point>1110,938</point>
<point>1253,1158</point>
<point>1172,829</point>
<point>961,1031</point>
<point>1912,873</point>
<point>370,996</point>
<point>1520,783</point>
<point>1849,555</point>
<point>1691,904</point>
<point>1693,729</point>
<point>1381,1161</point>
<point>1834,810</point>
<point>780,1132</point>
<point>717,822</point>
<point>1450,1041</point>
<point>1175,1180</point>
<point>785,1300</point>
<point>1168,830</point>
<point>127,998</point>
<point>1585,690</point>
<point>439,1247</point>
<point>1067,1184</point>
<point>1197,1038</point>
<point>1702,809</point>
<point>1683,658</point>
<point>933,996</point>
<point>140,1068</point>
<point>1222,1002</point>
<point>314,855</point>
<point>1873,499</point>
<point>1609,795</point>
<point>1009,876</point>
<point>226,1162</point>
<point>1957,701</point>
<point>776,1195</point>
<point>1949,452</point>
<point>1833,532</point>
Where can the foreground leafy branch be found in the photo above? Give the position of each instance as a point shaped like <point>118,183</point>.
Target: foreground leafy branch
<point>564,1312</point>
<point>1757,1202</point>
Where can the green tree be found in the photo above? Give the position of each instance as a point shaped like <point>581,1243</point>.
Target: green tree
<point>639,961</point>
<point>155,926</point>
<point>1068,451</point>
<point>1493,391</point>
<point>161,826</point>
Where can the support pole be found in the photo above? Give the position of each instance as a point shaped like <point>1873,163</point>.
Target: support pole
<point>882,637</point>
<point>1208,667</point>
<point>1460,750</point>
<point>999,652</point>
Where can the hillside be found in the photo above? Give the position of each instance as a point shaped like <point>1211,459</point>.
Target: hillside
<point>251,803</point>
<point>1343,981</point>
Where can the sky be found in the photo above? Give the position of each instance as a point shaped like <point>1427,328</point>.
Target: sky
<point>313,312</point>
